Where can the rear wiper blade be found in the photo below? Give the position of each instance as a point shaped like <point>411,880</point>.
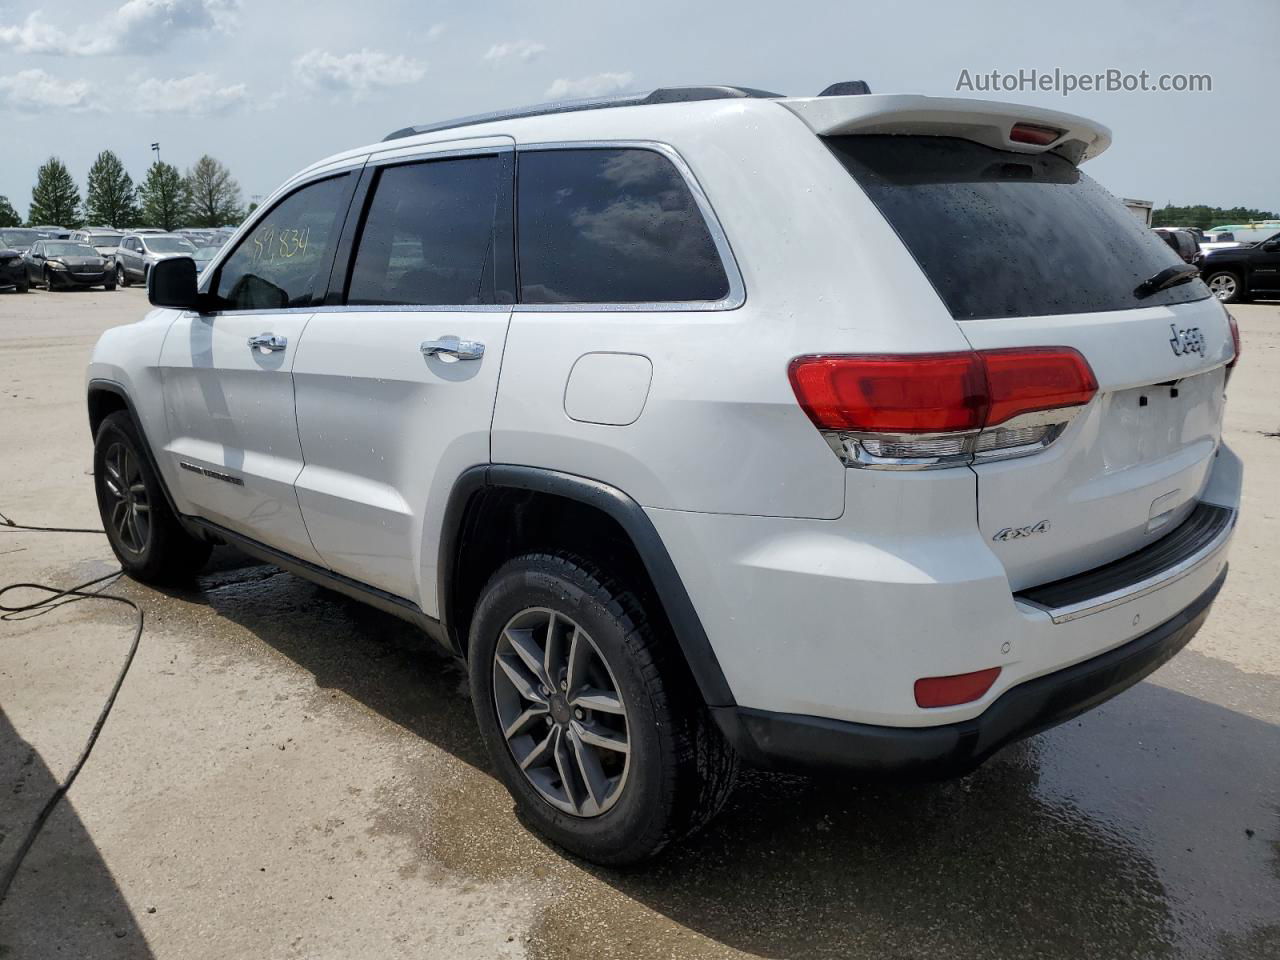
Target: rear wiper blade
<point>1166,278</point>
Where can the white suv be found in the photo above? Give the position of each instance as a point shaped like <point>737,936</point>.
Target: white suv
<point>858,432</point>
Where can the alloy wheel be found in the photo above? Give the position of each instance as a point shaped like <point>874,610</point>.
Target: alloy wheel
<point>130,511</point>
<point>1223,286</point>
<point>561,712</point>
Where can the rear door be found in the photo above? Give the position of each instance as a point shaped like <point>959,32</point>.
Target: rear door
<point>396,378</point>
<point>1025,250</point>
<point>228,386</point>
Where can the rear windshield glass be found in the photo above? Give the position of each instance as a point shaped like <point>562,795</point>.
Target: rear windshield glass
<point>1002,234</point>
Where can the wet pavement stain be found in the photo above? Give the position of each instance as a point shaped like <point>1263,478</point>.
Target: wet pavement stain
<point>1121,834</point>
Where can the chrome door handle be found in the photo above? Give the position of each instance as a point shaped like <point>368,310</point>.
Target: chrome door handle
<point>269,342</point>
<point>453,347</point>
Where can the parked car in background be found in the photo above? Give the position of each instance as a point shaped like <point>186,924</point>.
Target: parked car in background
<point>1182,242</point>
<point>18,238</point>
<point>67,264</point>
<point>1240,273</point>
<point>204,254</point>
<point>13,270</point>
<point>50,232</point>
<point>1253,232</point>
<point>103,239</point>
<point>139,252</point>
<point>837,497</point>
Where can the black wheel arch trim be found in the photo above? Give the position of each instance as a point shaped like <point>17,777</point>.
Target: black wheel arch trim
<point>100,385</point>
<point>635,523</point>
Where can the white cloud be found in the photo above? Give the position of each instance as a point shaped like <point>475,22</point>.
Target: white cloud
<point>596,85</point>
<point>34,90</point>
<point>521,49</point>
<point>196,95</point>
<point>435,31</point>
<point>356,73</point>
<point>137,26</point>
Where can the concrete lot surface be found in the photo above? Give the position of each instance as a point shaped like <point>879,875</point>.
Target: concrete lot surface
<point>288,774</point>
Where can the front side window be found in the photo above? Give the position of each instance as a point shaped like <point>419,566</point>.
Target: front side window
<point>605,225</point>
<point>284,262</point>
<point>428,235</point>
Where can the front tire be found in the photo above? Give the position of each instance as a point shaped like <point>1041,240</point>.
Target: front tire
<point>589,713</point>
<point>48,279</point>
<point>1226,286</point>
<point>122,278</point>
<point>144,534</point>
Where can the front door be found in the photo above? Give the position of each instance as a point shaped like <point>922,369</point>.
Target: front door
<point>396,382</point>
<point>228,386</point>
<point>1264,266</point>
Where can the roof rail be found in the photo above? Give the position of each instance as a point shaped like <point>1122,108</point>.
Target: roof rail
<point>660,95</point>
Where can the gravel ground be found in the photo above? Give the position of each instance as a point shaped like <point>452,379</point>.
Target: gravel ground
<point>288,774</point>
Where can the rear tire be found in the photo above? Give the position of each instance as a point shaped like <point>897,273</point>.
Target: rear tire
<point>678,769</point>
<point>1226,286</point>
<point>144,534</point>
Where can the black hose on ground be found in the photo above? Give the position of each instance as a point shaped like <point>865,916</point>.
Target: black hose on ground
<point>56,598</point>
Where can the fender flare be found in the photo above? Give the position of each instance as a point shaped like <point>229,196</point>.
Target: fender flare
<point>99,385</point>
<point>635,523</point>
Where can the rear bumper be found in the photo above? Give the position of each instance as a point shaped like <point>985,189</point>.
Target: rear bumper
<point>792,742</point>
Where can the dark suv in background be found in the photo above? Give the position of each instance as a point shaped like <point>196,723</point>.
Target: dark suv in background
<point>1237,274</point>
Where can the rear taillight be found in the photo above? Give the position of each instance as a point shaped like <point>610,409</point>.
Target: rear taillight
<point>1235,338</point>
<point>1033,134</point>
<point>939,409</point>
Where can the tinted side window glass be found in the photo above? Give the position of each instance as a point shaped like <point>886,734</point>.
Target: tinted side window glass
<point>612,226</point>
<point>285,261</point>
<point>428,235</point>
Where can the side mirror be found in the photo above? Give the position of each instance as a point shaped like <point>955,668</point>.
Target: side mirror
<point>1271,246</point>
<point>172,283</point>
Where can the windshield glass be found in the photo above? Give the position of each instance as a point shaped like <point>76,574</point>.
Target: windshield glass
<point>104,240</point>
<point>19,238</point>
<point>169,245</point>
<point>69,250</point>
<point>206,253</point>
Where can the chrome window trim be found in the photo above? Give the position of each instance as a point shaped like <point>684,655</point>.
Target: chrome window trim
<point>737,294</point>
<point>1157,581</point>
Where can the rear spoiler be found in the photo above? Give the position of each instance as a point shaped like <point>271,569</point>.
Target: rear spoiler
<point>984,121</point>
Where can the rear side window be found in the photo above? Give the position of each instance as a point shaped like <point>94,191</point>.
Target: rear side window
<point>612,226</point>
<point>1002,234</point>
<point>428,235</point>
<point>284,262</point>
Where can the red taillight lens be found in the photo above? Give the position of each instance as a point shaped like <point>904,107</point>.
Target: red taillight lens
<point>1031,133</point>
<point>1024,380</point>
<point>918,393</point>
<point>938,392</point>
<point>949,691</point>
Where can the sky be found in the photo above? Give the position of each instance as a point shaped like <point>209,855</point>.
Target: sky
<point>270,87</point>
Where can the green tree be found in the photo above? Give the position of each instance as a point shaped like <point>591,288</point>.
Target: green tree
<point>9,217</point>
<point>163,197</point>
<point>215,196</point>
<point>1205,217</point>
<point>111,198</point>
<point>55,199</point>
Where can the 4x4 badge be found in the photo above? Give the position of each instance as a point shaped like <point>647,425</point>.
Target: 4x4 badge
<point>1017,533</point>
